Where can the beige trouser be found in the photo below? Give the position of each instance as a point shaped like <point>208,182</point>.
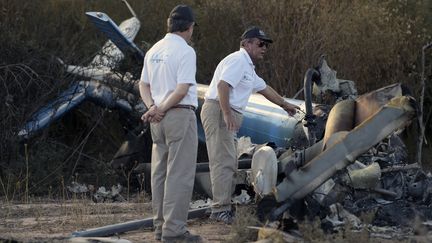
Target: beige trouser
<point>222,153</point>
<point>173,166</point>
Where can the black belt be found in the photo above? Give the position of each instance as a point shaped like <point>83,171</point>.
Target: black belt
<point>190,107</point>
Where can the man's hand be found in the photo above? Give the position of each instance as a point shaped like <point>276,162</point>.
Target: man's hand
<point>153,115</point>
<point>290,108</point>
<point>275,98</point>
<point>231,122</point>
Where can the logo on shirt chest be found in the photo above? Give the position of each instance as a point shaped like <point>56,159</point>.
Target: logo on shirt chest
<point>158,58</point>
<point>247,77</point>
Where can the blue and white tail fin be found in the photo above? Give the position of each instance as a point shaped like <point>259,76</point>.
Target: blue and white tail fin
<point>122,36</point>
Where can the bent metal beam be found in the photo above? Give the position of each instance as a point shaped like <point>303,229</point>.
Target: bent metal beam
<point>131,225</point>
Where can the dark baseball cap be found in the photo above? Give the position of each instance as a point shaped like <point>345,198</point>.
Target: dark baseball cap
<point>255,32</point>
<point>182,12</point>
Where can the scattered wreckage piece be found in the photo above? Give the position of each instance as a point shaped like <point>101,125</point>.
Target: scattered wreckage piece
<point>100,68</point>
<point>100,195</point>
<point>113,195</point>
<point>364,178</point>
<point>131,225</point>
<point>338,217</point>
<point>397,168</point>
<point>113,51</point>
<point>122,38</point>
<point>332,87</point>
<point>76,94</point>
<point>97,239</point>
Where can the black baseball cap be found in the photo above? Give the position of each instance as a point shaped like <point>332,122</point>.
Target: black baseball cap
<point>183,12</point>
<point>255,32</point>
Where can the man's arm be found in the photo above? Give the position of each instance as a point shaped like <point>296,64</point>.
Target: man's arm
<point>223,93</point>
<point>152,114</point>
<point>145,93</point>
<point>175,97</point>
<point>270,94</point>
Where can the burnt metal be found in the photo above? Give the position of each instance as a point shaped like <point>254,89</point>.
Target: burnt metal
<point>385,192</point>
<point>396,168</point>
<point>296,161</point>
<point>312,75</point>
<point>344,151</point>
<point>290,161</point>
<point>76,94</point>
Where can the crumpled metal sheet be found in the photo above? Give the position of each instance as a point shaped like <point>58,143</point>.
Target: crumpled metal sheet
<point>365,178</point>
<point>329,82</point>
<point>339,216</point>
<point>113,195</point>
<point>370,103</point>
<point>341,118</point>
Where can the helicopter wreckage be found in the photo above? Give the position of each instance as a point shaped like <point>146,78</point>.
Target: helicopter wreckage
<point>331,162</point>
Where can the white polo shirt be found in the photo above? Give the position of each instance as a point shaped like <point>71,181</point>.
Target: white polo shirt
<point>169,62</point>
<point>238,70</point>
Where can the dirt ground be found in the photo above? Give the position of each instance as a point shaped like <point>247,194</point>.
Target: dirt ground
<point>56,221</point>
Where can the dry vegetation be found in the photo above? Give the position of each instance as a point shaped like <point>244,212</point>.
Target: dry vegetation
<point>373,43</point>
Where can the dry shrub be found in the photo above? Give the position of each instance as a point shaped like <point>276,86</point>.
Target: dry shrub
<point>312,232</point>
<point>245,216</point>
<point>372,43</point>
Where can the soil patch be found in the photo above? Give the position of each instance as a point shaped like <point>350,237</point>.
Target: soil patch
<point>56,221</point>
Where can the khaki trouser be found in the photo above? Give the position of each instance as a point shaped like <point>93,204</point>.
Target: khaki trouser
<point>222,152</point>
<point>173,166</point>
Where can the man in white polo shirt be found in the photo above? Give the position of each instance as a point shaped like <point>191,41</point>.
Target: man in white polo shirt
<point>168,88</point>
<point>233,82</point>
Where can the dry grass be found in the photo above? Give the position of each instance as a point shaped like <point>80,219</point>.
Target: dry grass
<point>245,216</point>
<point>45,221</point>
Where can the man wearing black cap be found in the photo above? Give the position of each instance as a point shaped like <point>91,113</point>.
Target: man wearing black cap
<point>233,82</point>
<point>168,88</point>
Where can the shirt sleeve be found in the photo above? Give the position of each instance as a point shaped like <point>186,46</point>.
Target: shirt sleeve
<point>144,73</point>
<point>187,69</point>
<point>259,84</point>
<point>232,71</point>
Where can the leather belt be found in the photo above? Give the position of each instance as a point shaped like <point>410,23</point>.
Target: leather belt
<point>190,107</point>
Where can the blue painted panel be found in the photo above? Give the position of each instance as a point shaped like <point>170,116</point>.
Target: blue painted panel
<point>112,31</point>
<point>264,122</point>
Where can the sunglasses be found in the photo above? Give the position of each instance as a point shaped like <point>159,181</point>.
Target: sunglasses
<point>263,43</point>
